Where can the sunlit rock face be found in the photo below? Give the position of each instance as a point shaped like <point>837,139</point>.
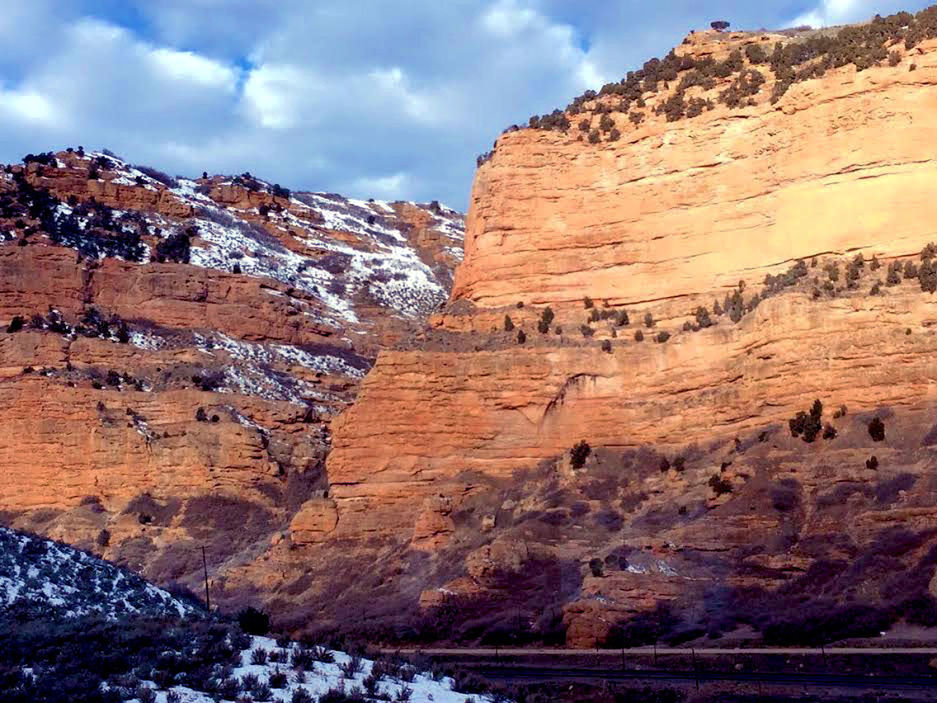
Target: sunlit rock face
<point>173,351</point>
<point>461,440</point>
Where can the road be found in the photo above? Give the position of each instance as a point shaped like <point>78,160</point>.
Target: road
<point>508,653</point>
<point>544,674</point>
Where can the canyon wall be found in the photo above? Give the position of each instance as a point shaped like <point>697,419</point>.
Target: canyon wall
<point>156,399</point>
<point>671,216</point>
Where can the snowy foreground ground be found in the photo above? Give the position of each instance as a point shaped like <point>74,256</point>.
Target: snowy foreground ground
<point>48,583</point>
<point>321,678</point>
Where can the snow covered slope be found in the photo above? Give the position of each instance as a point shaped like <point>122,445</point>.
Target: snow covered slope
<point>321,673</point>
<point>54,579</point>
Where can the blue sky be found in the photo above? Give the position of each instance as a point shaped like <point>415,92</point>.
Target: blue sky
<point>367,98</point>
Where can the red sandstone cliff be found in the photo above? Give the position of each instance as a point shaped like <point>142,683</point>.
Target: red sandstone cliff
<point>152,406</point>
<point>459,446</point>
<point>708,278</point>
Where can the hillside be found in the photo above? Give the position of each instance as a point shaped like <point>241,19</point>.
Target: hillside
<point>80,629</point>
<point>41,577</point>
<point>173,351</point>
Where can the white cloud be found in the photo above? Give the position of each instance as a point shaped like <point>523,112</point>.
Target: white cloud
<point>394,86</point>
<point>29,107</point>
<point>272,95</point>
<point>832,12</point>
<point>506,19</point>
<point>187,66</point>
<point>393,187</point>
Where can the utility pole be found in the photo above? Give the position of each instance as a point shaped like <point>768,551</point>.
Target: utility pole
<point>205,568</point>
<point>695,670</point>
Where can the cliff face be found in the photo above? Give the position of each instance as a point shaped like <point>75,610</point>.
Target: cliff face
<point>173,352</point>
<point>693,206</point>
<point>458,446</point>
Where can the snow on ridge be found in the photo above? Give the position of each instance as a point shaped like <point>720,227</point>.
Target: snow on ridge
<point>71,583</point>
<point>254,376</point>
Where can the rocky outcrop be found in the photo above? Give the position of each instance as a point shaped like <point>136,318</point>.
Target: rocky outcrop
<point>668,218</point>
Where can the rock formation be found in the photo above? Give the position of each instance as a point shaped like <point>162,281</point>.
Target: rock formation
<point>790,214</point>
<point>666,276</point>
<point>151,407</point>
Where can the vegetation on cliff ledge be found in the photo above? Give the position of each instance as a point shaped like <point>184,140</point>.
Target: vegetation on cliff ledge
<point>680,86</point>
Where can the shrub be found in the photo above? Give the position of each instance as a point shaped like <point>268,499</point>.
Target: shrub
<point>579,453</point>
<point>254,621</point>
<point>662,337</point>
<point>808,425</point>
<point>201,415</point>
<point>259,656</point>
<point>755,53</point>
<point>322,655</point>
<point>229,688</point>
<point>877,430</point>
<point>927,276</point>
<point>277,679</point>
<point>103,539</point>
<point>719,485</point>
<point>156,175</point>
<point>176,247</point>
<point>720,25</point>
<point>16,324</point>
<point>594,136</point>
<point>353,666</point>
<point>607,346</point>
<point>648,320</point>
<point>702,317</point>
<point>302,658</point>
<point>546,317</point>
<point>261,692</point>
<point>145,694</point>
<point>597,567</point>
<point>301,695</point>
<point>586,330</point>
<point>638,336</point>
<point>521,337</point>
<point>508,323</point>
<point>587,302</point>
<point>872,463</point>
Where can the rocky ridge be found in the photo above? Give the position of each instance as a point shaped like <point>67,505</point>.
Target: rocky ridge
<point>173,351</point>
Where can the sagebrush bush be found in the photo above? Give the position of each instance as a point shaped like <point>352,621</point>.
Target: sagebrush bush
<point>579,453</point>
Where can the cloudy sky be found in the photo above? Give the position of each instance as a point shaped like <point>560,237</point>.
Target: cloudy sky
<point>370,98</point>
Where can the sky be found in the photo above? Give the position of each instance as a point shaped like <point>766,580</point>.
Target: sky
<point>367,98</point>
